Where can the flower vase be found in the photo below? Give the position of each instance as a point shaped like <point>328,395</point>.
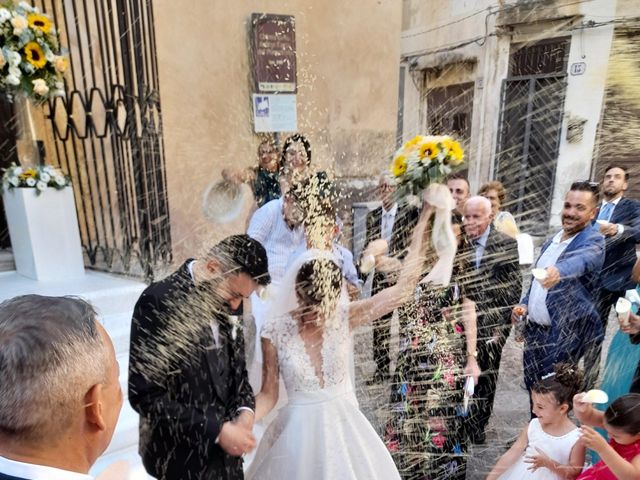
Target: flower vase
<point>27,144</point>
<point>44,233</point>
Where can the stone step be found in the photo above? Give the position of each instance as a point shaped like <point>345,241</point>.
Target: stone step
<point>109,294</point>
<point>119,327</point>
<point>6,261</point>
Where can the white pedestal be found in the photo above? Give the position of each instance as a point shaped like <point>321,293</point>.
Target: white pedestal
<point>44,233</point>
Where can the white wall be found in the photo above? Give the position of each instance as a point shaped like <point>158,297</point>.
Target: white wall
<point>584,98</point>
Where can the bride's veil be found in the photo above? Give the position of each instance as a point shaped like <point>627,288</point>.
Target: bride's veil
<point>284,297</point>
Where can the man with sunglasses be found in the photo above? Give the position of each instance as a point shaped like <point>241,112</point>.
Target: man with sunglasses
<point>562,317</point>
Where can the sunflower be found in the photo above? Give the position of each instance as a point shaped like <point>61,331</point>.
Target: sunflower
<point>35,55</point>
<point>39,22</point>
<point>28,173</point>
<point>414,141</point>
<point>456,154</point>
<point>399,165</point>
<point>429,149</point>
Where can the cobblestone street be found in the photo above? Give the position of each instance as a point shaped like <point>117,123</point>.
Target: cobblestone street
<point>511,406</point>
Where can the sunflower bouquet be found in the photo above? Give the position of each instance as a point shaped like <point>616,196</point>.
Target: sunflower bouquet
<point>30,58</point>
<point>424,160</point>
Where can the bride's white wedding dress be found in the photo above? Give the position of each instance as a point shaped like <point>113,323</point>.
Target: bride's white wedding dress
<point>320,433</point>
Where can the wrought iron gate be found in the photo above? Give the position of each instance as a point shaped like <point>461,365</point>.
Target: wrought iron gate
<point>107,132</point>
<point>532,107</point>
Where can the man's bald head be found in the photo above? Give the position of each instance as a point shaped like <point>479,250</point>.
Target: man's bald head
<point>477,216</point>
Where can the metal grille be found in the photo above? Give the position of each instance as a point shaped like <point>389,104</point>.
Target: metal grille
<point>107,132</point>
<point>449,111</point>
<point>531,113</point>
<point>540,58</point>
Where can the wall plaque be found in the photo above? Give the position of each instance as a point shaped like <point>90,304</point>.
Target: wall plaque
<point>273,43</point>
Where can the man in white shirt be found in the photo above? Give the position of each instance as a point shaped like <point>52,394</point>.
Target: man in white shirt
<point>619,221</point>
<point>60,397</point>
<point>317,197</point>
<point>277,225</point>
<point>562,317</point>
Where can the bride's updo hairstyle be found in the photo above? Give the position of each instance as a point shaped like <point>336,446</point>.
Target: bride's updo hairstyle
<point>319,283</point>
<point>563,383</point>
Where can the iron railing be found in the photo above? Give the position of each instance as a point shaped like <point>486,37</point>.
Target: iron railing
<point>530,125</point>
<point>107,132</point>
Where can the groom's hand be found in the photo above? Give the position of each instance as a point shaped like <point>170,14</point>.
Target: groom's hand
<point>236,439</point>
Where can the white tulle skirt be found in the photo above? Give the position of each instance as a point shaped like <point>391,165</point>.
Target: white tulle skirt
<point>322,435</point>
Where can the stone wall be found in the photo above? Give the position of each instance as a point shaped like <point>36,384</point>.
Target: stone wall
<point>347,95</point>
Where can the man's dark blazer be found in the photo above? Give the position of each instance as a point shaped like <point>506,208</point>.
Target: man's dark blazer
<point>574,318</point>
<point>403,225</point>
<point>183,387</point>
<point>621,248</point>
<point>496,286</point>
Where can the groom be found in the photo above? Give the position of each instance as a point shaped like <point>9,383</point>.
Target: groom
<point>187,373</point>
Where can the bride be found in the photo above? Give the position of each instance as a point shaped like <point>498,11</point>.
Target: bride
<point>321,433</point>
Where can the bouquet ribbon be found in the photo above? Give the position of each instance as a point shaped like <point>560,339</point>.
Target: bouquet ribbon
<point>443,239</point>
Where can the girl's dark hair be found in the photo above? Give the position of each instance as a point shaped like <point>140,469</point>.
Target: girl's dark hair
<point>564,383</point>
<point>318,280</point>
<point>624,413</point>
<point>290,141</point>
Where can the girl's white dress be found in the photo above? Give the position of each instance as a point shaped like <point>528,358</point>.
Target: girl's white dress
<point>320,433</point>
<point>558,448</point>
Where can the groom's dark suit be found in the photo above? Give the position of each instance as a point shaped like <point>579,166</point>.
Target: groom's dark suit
<point>183,384</point>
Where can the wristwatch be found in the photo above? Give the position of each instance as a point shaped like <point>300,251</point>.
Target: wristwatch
<point>473,354</point>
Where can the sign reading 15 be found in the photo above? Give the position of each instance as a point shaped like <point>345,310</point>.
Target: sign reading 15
<point>578,68</point>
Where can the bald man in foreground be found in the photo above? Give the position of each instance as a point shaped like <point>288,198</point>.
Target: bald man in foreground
<point>494,282</point>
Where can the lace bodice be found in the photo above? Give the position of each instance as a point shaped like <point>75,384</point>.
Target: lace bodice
<point>296,366</point>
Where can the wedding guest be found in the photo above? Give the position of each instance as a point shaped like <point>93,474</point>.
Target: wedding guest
<point>425,433</point>
<point>549,447</point>
<point>619,221</point>
<point>494,283</point>
<point>295,159</point>
<point>460,190</point>
<point>317,198</point>
<point>562,317</point>
<point>392,222</point>
<point>502,221</point>
<point>60,397</point>
<point>622,365</point>
<point>264,178</point>
<point>620,457</point>
<point>187,374</point>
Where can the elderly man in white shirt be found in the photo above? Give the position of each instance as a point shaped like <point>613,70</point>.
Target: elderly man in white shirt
<point>60,395</point>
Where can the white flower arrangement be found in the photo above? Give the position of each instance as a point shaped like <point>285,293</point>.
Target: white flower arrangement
<point>31,61</point>
<point>39,178</point>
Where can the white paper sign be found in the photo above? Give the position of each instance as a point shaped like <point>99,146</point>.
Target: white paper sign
<point>274,113</point>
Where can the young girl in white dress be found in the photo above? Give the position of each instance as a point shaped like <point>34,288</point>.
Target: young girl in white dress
<point>321,433</point>
<point>548,448</point>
